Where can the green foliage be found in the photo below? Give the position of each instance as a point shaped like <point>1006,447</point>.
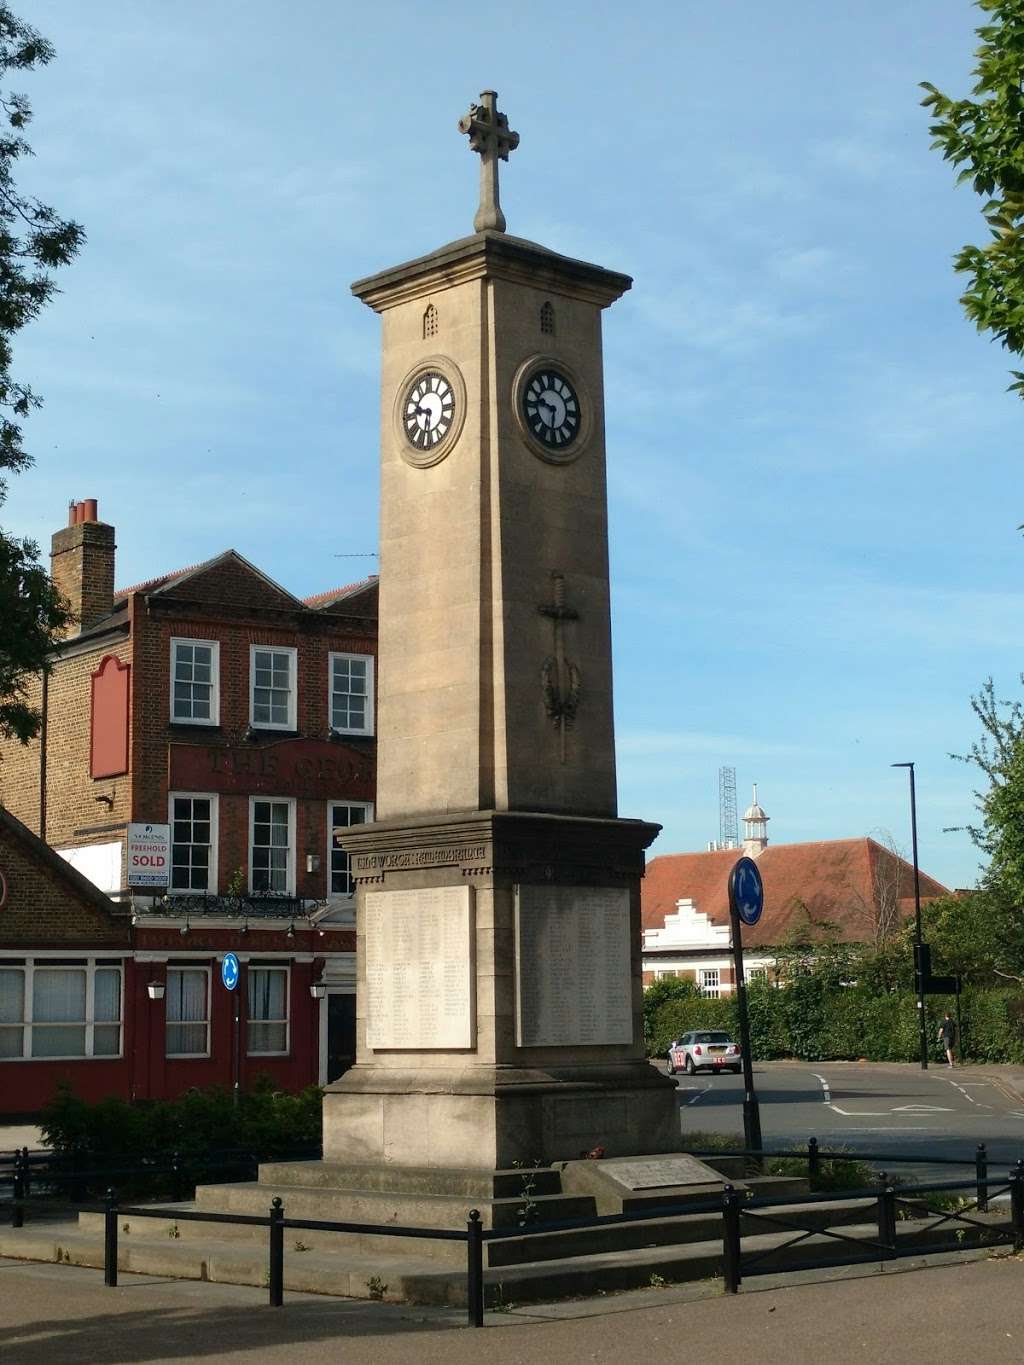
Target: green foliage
<point>659,993</point>
<point>34,241</point>
<point>114,1134</point>
<point>985,137</point>
<point>812,1017</point>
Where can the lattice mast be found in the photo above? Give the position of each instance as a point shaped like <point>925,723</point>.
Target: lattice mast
<point>728,825</point>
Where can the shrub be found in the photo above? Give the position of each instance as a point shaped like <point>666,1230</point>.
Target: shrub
<point>814,1018</point>
<point>204,1129</point>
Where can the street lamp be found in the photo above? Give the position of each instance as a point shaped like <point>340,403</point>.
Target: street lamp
<point>919,954</point>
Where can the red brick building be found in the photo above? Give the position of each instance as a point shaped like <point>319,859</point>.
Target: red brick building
<point>850,890</point>
<point>213,701</point>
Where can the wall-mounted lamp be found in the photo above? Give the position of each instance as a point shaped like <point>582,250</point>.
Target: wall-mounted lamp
<point>156,990</point>
<point>186,927</point>
<point>318,990</point>
<point>108,801</point>
<point>291,930</point>
<point>312,862</point>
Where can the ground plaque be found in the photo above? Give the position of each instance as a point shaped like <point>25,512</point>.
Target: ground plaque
<point>573,979</point>
<point>419,968</point>
<point>661,1172</point>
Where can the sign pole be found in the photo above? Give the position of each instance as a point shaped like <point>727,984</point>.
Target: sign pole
<point>230,972</point>
<point>746,900</point>
<point>236,1089</point>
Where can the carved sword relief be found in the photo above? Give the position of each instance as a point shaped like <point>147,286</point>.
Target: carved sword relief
<point>559,676</point>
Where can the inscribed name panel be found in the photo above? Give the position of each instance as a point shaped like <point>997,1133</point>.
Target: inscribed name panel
<point>419,968</point>
<point>573,977</point>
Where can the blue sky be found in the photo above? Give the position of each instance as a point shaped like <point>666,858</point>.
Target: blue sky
<point>813,460</point>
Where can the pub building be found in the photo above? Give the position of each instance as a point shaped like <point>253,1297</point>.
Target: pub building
<point>212,702</point>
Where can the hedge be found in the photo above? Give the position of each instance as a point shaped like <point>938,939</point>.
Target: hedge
<point>818,1022</point>
<point>197,1129</point>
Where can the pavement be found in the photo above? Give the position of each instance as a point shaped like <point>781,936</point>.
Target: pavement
<point>884,1110</point>
<point>14,1135</point>
<point>65,1313</point>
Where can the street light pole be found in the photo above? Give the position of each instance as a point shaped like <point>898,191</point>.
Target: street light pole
<point>919,955</point>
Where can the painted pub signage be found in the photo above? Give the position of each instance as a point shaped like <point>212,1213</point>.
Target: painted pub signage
<point>314,768</point>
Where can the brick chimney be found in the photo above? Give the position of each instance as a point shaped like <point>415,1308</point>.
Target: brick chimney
<point>82,563</point>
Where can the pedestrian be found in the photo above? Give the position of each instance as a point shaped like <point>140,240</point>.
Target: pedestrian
<point>947,1033</point>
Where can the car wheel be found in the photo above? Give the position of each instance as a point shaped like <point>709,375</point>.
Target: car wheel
<point>671,1069</point>
<point>691,1070</point>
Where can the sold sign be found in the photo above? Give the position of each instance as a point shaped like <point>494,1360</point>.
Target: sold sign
<point>149,854</point>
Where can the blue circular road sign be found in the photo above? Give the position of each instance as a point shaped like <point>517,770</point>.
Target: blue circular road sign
<point>746,891</point>
<point>229,971</point>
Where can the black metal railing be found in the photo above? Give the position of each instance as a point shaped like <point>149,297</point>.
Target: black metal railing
<point>887,1244</point>
<point>780,1211</point>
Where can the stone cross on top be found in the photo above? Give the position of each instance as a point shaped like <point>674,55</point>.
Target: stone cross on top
<point>490,135</point>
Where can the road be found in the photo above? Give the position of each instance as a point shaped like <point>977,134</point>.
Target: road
<point>885,1108</point>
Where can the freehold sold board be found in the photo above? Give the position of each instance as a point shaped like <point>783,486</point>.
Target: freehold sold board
<point>149,854</point>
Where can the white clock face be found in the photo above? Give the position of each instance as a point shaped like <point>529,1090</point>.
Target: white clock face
<point>551,409</point>
<point>428,410</point>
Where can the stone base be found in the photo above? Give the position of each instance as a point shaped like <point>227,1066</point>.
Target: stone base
<point>488,1118</point>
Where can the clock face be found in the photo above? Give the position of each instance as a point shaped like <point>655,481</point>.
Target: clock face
<point>428,410</point>
<point>551,409</point>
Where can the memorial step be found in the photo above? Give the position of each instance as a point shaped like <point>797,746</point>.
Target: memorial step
<point>468,1183</point>
<point>419,1279</point>
<point>382,1207</point>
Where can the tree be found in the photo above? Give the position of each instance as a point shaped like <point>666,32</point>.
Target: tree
<point>34,241</point>
<point>986,137</point>
<point>999,755</point>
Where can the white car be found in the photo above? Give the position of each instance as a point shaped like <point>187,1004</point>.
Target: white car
<point>708,1050</point>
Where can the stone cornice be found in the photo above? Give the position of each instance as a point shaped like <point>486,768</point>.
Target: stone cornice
<point>491,255</point>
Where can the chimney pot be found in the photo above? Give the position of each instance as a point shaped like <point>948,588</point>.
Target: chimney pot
<point>90,510</point>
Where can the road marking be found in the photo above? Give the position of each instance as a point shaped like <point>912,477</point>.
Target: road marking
<point>700,1095</point>
<point>921,1109</point>
<point>860,1113</point>
<point>824,1086</point>
<point>970,1098</point>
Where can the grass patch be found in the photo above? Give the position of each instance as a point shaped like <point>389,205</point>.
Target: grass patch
<point>834,1173</point>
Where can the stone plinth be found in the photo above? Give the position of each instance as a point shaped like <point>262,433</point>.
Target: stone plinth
<point>548,1061</point>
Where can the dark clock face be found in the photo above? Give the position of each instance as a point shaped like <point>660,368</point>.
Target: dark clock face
<point>551,409</point>
<point>428,410</point>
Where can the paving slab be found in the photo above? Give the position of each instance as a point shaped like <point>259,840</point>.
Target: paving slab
<point>50,1313</point>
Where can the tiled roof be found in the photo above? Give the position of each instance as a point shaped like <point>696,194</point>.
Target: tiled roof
<point>160,581</point>
<point>322,599</point>
<point>838,881</point>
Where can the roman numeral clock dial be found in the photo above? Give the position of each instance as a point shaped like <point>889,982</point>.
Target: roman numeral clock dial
<point>428,410</point>
<point>551,409</point>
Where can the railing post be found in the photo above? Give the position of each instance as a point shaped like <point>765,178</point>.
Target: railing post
<point>731,1240</point>
<point>475,1269</point>
<point>813,1160</point>
<point>1017,1207</point>
<point>981,1176</point>
<point>26,1172</point>
<point>110,1240</point>
<point>887,1218</point>
<point>18,1212</point>
<point>276,1253</point>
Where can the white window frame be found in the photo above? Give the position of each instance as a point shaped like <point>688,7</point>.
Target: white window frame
<point>212,797</point>
<point>370,661</point>
<point>89,965</point>
<point>175,967</point>
<point>709,981</point>
<point>270,967</point>
<point>214,646</point>
<point>341,801</point>
<point>288,801</point>
<point>291,723</point>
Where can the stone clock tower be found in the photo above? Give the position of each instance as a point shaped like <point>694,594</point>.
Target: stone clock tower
<point>499,992</point>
